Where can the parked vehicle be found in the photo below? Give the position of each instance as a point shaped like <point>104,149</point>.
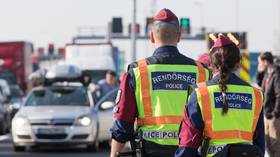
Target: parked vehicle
<point>15,99</point>
<point>16,63</point>
<point>4,126</point>
<point>61,112</point>
<point>104,110</point>
<point>5,111</point>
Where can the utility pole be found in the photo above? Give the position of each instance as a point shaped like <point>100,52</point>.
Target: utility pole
<point>237,14</point>
<point>278,48</point>
<point>153,7</point>
<point>133,33</point>
<point>200,5</point>
<point>109,32</point>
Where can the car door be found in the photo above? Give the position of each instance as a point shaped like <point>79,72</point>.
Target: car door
<point>105,115</point>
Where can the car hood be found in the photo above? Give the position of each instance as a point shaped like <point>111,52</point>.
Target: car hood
<point>16,99</point>
<point>54,112</point>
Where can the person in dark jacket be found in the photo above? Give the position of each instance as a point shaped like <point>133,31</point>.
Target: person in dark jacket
<point>109,83</point>
<point>264,60</point>
<point>269,79</point>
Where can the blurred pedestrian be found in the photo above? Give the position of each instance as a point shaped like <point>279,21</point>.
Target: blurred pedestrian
<point>154,90</point>
<point>223,111</point>
<point>106,85</point>
<point>265,60</point>
<point>271,85</point>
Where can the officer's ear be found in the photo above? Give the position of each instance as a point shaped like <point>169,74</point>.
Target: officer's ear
<point>178,36</point>
<point>152,38</point>
<point>237,65</point>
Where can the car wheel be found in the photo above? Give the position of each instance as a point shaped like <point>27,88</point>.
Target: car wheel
<point>19,148</point>
<point>105,144</point>
<point>95,145</point>
<point>6,125</point>
<point>7,130</point>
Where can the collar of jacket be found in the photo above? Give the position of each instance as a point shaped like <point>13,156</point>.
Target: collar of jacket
<point>232,79</point>
<point>166,50</point>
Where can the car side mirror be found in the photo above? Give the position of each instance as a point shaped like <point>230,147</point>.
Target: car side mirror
<point>107,105</point>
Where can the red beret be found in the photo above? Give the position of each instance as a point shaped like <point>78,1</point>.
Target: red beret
<point>222,41</point>
<point>166,15</point>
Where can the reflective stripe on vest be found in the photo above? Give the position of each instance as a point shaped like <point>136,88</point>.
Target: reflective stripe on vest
<point>159,120</point>
<point>226,134</point>
<point>201,72</point>
<point>145,90</point>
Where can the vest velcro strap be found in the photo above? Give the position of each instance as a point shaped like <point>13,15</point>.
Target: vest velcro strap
<point>145,87</point>
<point>151,121</point>
<point>201,71</point>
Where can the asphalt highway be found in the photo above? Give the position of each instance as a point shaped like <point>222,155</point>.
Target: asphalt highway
<point>6,150</point>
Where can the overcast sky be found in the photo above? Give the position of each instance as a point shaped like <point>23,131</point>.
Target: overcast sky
<point>44,21</point>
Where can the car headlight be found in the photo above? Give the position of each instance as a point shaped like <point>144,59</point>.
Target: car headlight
<point>50,75</point>
<point>21,121</point>
<point>84,121</point>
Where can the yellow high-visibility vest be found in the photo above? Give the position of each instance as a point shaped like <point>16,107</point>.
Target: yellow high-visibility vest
<point>161,94</point>
<point>239,124</point>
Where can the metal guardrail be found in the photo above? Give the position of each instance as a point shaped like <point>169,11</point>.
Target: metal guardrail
<point>127,37</point>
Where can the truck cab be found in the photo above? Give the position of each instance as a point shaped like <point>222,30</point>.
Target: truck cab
<point>94,58</point>
<point>16,63</point>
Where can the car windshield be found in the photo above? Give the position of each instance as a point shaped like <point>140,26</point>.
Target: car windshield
<point>58,97</point>
<point>9,77</point>
<point>96,74</point>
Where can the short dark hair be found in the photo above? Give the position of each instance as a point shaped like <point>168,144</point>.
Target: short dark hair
<point>166,32</point>
<point>111,72</point>
<point>267,56</point>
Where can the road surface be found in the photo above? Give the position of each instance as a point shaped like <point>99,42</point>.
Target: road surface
<point>6,150</point>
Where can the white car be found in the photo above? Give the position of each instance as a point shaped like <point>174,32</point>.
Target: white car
<point>61,115</point>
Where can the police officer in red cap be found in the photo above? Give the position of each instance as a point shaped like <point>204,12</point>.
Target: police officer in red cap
<point>153,92</point>
<point>223,115</point>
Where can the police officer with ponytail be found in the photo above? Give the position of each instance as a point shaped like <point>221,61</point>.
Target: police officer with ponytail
<point>223,117</point>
